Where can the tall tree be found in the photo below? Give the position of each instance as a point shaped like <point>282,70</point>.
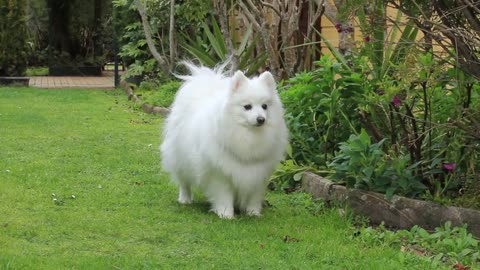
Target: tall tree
<point>171,35</point>
<point>453,24</point>
<point>223,16</point>
<point>161,59</point>
<point>279,28</point>
<point>13,38</point>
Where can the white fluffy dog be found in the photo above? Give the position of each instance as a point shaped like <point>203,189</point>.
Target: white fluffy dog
<point>225,135</point>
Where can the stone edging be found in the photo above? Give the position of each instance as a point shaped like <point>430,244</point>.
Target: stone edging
<point>23,81</point>
<point>146,107</point>
<point>399,212</point>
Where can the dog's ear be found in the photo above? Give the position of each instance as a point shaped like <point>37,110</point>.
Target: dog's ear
<point>267,78</point>
<point>238,80</point>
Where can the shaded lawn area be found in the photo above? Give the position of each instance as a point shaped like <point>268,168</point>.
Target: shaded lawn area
<point>123,213</point>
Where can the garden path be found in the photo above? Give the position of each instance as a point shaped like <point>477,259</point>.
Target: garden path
<point>90,82</point>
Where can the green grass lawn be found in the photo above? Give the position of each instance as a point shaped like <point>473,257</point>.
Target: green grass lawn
<point>81,188</point>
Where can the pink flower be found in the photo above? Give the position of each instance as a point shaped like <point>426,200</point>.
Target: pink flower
<point>338,26</point>
<point>396,101</point>
<point>366,39</point>
<point>449,167</point>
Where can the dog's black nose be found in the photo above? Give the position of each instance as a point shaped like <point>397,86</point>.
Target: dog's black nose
<point>260,120</point>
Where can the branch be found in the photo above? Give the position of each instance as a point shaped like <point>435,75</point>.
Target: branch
<point>330,11</point>
<point>249,16</point>
<point>171,33</point>
<point>222,14</point>
<point>253,7</point>
<point>271,7</point>
<point>470,16</point>
<point>148,36</point>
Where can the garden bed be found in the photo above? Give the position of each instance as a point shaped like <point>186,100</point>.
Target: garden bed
<point>399,212</point>
<point>147,108</point>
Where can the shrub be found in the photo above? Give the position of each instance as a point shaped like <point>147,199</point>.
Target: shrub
<point>320,110</point>
<point>13,36</point>
<point>420,125</point>
<point>163,96</point>
<point>363,164</point>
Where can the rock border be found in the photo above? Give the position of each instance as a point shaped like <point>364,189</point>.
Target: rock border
<point>399,212</point>
<point>9,81</point>
<point>147,108</point>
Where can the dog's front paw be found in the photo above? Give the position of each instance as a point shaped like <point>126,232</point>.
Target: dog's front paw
<point>185,200</point>
<point>255,212</point>
<point>224,213</point>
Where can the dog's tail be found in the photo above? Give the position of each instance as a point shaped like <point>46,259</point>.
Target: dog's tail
<point>221,70</point>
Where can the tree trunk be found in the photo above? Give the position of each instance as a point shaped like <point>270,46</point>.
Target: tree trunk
<point>148,36</point>
<point>222,13</point>
<point>171,35</point>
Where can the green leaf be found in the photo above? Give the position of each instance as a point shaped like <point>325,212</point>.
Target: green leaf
<point>389,192</point>
<point>245,39</point>
<point>201,55</point>
<point>216,39</point>
<point>298,176</point>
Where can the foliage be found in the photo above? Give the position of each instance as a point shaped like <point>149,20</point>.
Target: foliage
<point>447,244</point>
<point>444,23</point>
<point>79,32</point>
<point>288,174</point>
<point>210,48</point>
<point>13,38</point>
<point>37,24</point>
<point>162,95</point>
<point>418,107</point>
<point>421,118</point>
<point>364,165</point>
<point>420,110</point>
<point>134,51</point>
<point>317,104</point>
<point>37,71</point>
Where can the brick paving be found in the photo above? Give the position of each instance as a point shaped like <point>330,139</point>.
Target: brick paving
<point>104,81</point>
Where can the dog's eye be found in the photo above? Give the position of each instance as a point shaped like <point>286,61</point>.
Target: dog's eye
<point>264,106</point>
<point>247,107</point>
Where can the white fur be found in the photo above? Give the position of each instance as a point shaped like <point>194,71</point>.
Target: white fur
<point>211,141</point>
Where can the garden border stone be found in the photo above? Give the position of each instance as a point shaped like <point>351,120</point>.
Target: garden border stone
<point>23,81</point>
<point>147,108</point>
<point>399,212</point>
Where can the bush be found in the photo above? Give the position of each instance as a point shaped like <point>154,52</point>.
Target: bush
<point>364,165</point>
<point>419,126</point>
<point>320,110</point>
<point>163,96</point>
<point>13,36</point>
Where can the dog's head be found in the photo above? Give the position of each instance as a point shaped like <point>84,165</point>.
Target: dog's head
<point>252,101</point>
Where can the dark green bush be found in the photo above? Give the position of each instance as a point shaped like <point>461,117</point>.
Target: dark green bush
<point>364,165</point>
<point>321,110</point>
<point>13,38</point>
<point>418,126</point>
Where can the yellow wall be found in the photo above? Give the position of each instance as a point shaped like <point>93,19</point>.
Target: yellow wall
<point>331,34</point>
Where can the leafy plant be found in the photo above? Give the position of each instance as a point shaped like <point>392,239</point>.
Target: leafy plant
<point>415,100</point>
<point>288,175</point>
<point>321,110</point>
<point>13,36</point>
<point>37,71</point>
<point>454,245</point>
<point>363,164</point>
<point>210,48</point>
<point>162,95</point>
